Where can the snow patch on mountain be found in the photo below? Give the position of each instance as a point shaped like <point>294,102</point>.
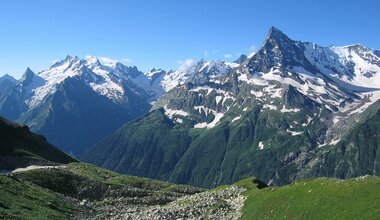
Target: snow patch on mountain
<point>257,94</point>
<point>294,133</point>
<point>208,89</point>
<point>170,113</point>
<point>217,117</point>
<point>235,119</point>
<point>218,99</point>
<point>261,145</point>
<point>252,80</point>
<point>284,109</point>
<point>270,107</point>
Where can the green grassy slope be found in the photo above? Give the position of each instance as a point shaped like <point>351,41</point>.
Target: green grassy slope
<point>315,199</point>
<point>57,193</point>
<point>21,200</point>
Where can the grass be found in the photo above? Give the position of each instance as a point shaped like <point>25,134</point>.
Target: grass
<point>105,176</point>
<point>42,193</point>
<point>314,199</point>
<point>25,201</point>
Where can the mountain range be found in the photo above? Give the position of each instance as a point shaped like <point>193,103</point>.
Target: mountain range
<point>292,110</point>
<point>87,99</point>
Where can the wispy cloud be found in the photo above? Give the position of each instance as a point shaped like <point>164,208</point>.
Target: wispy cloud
<point>252,50</point>
<point>206,53</point>
<point>227,55</point>
<point>185,64</point>
<point>54,61</point>
<point>64,53</point>
<point>126,60</point>
<point>88,56</point>
<point>108,60</point>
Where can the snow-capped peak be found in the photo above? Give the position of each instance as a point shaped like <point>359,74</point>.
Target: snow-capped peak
<point>352,65</point>
<point>92,62</point>
<point>110,62</point>
<point>153,72</point>
<point>198,72</point>
<point>102,78</point>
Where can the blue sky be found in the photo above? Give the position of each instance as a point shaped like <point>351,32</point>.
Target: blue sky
<point>34,33</point>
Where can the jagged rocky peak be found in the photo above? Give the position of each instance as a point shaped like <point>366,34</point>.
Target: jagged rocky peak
<point>196,73</point>
<point>279,51</point>
<point>130,71</point>
<point>111,66</point>
<point>202,71</point>
<point>275,34</point>
<point>278,42</point>
<point>154,73</point>
<point>69,61</point>
<point>365,53</point>
<point>92,62</point>
<point>27,77</point>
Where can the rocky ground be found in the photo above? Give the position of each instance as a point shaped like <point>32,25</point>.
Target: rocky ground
<point>215,204</point>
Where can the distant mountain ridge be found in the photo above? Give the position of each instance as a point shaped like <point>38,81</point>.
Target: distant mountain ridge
<point>76,102</point>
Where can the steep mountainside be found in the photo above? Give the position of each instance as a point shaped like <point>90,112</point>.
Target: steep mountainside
<point>20,148</point>
<point>270,116</point>
<point>358,153</point>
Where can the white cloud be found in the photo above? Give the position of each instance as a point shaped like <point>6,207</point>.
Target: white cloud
<point>227,55</point>
<point>205,53</point>
<point>107,60</point>
<point>185,64</point>
<point>215,51</point>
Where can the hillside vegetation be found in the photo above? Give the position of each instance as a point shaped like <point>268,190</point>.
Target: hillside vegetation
<point>83,191</point>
